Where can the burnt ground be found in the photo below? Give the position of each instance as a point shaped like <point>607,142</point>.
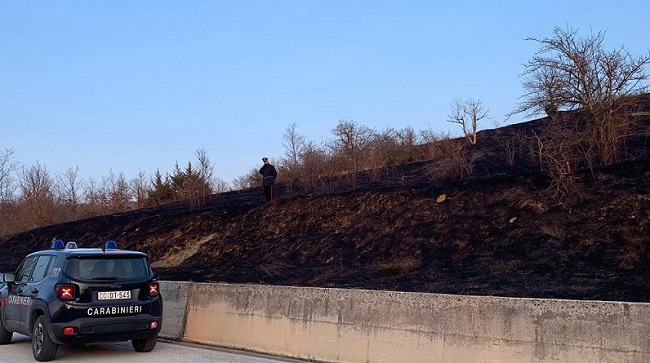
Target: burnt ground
<point>499,232</point>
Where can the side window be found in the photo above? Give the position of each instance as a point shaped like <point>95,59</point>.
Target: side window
<point>42,267</point>
<point>25,270</point>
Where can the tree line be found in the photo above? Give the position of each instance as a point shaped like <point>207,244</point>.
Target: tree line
<point>569,74</point>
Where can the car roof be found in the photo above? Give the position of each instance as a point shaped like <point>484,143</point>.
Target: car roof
<point>87,252</point>
<point>70,249</point>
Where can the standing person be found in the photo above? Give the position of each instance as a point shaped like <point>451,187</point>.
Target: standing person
<point>268,178</point>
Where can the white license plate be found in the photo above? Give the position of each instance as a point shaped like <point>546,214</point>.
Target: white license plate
<point>113,295</point>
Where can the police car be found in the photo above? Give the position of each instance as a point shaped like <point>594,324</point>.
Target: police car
<point>69,295</point>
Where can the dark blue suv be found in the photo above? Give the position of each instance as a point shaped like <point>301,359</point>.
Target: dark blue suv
<point>70,295</point>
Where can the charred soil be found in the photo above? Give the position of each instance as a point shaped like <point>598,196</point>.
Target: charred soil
<point>499,232</point>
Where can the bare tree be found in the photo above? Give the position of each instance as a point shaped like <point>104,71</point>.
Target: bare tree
<point>407,139</point>
<point>452,160</point>
<point>556,150</point>
<point>468,114</point>
<point>574,73</point>
<point>37,196</point>
<point>139,188</point>
<point>94,198</point>
<point>204,181</point>
<point>250,180</point>
<point>315,161</point>
<point>219,185</point>
<point>69,186</point>
<point>384,149</point>
<point>434,143</point>
<point>8,186</point>
<point>7,168</point>
<point>510,148</point>
<point>294,146</point>
<point>117,192</point>
<point>349,145</point>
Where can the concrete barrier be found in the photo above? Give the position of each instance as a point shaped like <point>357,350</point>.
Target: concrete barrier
<point>338,325</point>
<point>174,295</point>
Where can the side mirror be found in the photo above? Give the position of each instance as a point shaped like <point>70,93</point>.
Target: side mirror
<point>8,278</point>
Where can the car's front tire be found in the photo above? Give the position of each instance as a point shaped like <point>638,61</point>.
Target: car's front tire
<point>144,345</point>
<point>42,346</point>
<point>5,335</point>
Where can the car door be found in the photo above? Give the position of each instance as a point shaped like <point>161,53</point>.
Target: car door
<point>15,297</point>
<point>32,287</point>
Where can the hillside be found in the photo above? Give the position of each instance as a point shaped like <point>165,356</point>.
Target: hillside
<point>499,232</point>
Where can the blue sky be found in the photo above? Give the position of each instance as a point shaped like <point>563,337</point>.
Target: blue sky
<point>136,86</point>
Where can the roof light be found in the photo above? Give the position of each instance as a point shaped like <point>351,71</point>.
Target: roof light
<point>71,245</point>
<point>57,244</point>
<point>110,245</point>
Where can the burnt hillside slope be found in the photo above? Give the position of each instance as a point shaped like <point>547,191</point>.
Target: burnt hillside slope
<point>497,232</point>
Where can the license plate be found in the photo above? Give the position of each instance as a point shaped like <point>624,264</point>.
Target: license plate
<point>113,295</point>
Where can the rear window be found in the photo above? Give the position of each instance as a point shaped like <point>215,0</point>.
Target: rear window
<point>107,268</point>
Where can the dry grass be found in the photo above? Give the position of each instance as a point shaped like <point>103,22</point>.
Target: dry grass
<point>399,267</point>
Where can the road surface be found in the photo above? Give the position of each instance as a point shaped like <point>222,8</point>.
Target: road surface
<point>19,351</point>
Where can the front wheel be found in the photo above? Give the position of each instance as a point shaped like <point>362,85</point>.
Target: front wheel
<point>5,335</point>
<point>144,345</point>
<point>42,346</point>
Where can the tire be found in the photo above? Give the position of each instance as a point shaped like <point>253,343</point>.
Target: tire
<point>144,345</point>
<point>42,346</point>
<point>5,335</point>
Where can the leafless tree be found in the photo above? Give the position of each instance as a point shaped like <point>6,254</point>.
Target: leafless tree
<point>558,156</point>
<point>294,146</point>
<point>37,196</point>
<point>139,187</point>
<point>349,145</point>
<point>69,186</point>
<point>387,148</point>
<point>7,167</point>
<point>453,161</point>
<point>220,185</point>
<point>95,203</point>
<point>467,114</point>
<point>8,222</point>
<point>576,73</point>
<point>434,143</point>
<point>204,181</point>
<point>407,140</point>
<point>316,166</point>
<point>117,192</point>
<point>250,180</point>
<point>510,148</point>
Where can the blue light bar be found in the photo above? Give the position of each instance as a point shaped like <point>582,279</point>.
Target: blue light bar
<point>57,244</point>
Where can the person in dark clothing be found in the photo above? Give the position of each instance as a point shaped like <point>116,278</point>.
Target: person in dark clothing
<point>268,178</point>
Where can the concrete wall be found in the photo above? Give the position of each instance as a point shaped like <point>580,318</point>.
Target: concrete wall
<point>338,325</point>
<point>174,295</point>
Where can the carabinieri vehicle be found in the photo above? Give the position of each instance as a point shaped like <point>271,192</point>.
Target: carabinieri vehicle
<point>69,295</point>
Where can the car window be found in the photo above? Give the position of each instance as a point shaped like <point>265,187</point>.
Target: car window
<point>41,269</point>
<point>25,270</point>
<point>106,268</point>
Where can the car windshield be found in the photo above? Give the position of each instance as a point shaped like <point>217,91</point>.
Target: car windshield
<point>107,268</point>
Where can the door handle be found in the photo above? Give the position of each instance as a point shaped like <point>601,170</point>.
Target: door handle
<point>35,290</point>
